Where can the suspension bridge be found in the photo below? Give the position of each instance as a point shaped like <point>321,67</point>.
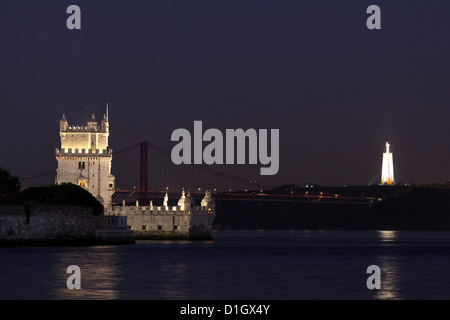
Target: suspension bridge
<point>145,167</point>
<point>144,171</point>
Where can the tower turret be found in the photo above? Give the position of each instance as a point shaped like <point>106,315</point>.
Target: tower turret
<point>208,201</point>
<point>166,202</point>
<point>63,123</point>
<point>188,203</point>
<point>92,124</point>
<point>105,121</point>
<point>104,126</point>
<point>181,201</point>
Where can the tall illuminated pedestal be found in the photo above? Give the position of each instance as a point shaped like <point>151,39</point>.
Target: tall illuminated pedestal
<point>387,171</point>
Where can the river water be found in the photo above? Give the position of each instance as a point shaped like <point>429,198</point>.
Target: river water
<point>278,265</point>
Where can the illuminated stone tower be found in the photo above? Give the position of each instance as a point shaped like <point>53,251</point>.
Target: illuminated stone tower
<point>387,171</point>
<point>85,159</point>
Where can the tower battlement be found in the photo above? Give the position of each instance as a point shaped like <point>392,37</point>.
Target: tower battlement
<point>82,129</point>
<point>92,136</point>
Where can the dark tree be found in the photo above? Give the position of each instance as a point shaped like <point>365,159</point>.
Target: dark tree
<point>63,194</point>
<point>8,184</point>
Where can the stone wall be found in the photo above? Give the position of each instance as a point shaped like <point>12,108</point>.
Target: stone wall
<point>13,223</point>
<point>153,223</point>
<point>56,225</point>
<point>42,224</point>
<point>61,222</point>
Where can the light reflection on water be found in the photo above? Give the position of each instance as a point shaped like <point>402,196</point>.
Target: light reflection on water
<point>390,270</point>
<point>390,278</point>
<point>288,265</point>
<point>99,273</point>
<point>387,235</point>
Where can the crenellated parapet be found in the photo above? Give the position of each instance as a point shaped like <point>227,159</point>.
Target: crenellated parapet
<point>91,127</point>
<point>148,210</point>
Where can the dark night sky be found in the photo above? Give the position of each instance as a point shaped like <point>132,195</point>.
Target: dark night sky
<point>336,90</point>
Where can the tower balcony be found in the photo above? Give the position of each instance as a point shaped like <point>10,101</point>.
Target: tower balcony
<point>76,152</point>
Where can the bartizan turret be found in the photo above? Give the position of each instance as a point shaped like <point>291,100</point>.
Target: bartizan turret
<point>189,203</point>
<point>181,201</point>
<point>208,202</point>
